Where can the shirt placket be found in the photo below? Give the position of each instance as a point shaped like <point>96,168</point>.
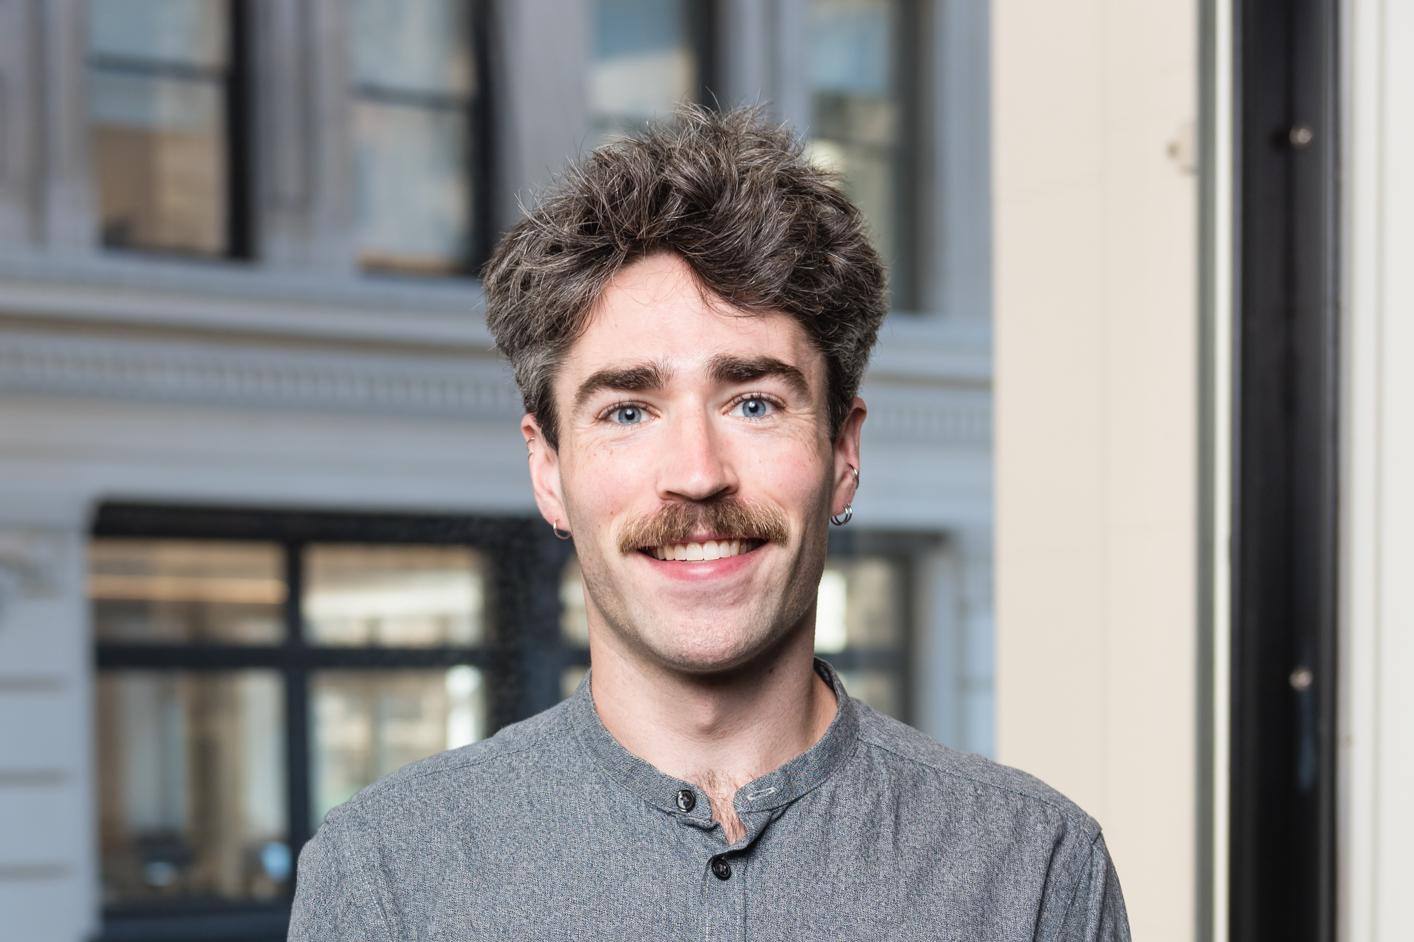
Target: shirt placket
<point>724,879</point>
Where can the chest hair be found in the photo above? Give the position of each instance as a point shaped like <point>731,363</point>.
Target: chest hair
<point>720,791</point>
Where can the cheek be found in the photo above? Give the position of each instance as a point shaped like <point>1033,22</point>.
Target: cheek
<point>801,490</point>
<point>600,487</point>
<point>794,479</point>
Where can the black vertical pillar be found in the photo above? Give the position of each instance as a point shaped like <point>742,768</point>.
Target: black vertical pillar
<point>1285,486</point>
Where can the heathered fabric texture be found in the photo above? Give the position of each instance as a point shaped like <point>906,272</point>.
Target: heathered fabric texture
<point>551,830</point>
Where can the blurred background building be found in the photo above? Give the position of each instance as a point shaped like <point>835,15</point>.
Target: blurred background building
<point>265,521</point>
<point>265,530</point>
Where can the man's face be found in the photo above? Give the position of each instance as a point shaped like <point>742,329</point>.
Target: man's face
<point>695,470</point>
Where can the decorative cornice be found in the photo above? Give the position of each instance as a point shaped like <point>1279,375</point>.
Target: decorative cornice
<point>32,778</point>
<point>34,873</point>
<point>962,425</point>
<point>32,684</point>
<point>205,372</point>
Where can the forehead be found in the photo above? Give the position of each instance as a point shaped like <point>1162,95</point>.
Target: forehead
<point>654,310</point>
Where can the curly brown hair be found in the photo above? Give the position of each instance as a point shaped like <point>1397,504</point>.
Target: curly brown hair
<point>761,227</point>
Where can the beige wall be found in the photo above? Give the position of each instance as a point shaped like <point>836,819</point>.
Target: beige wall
<point>1096,281</point>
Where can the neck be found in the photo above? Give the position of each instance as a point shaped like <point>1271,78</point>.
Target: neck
<point>730,727</point>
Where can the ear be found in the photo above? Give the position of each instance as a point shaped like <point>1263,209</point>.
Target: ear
<point>846,451</point>
<point>544,474</point>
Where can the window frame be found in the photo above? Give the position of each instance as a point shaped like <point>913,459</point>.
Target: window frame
<point>907,75</point>
<point>521,621</point>
<point>235,82</point>
<point>522,653</point>
<point>479,169</point>
<point>700,20</point>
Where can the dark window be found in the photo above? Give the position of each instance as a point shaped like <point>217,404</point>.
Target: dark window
<point>254,670</point>
<point>164,102</point>
<point>861,77</point>
<point>420,152</point>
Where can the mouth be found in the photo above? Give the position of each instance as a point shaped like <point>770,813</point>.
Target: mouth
<point>702,551</point>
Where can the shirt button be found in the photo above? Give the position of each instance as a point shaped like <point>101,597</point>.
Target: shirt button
<point>721,869</point>
<point>686,800</point>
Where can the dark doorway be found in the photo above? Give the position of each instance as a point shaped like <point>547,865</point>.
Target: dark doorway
<point>1285,484</point>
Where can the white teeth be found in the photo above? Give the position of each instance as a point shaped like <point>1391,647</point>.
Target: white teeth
<point>693,552</point>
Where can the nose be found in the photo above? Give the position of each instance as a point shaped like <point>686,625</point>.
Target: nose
<point>696,464</point>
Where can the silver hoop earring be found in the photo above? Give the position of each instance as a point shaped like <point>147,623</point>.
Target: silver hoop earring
<point>841,519</point>
<point>559,534</point>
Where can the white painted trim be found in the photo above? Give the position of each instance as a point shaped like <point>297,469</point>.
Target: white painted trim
<point>1358,879</point>
<point>1221,306</point>
<point>131,291</point>
<point>191,371</point>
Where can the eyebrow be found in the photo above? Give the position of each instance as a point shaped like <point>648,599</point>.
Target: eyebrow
<point>636,378</point>
<point>725,368</point>
<point>722,368</point>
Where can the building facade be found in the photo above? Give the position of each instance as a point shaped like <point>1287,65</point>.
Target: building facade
<point>265,528</point>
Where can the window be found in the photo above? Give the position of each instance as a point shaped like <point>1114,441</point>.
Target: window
<point>860,119</point>
<point>419,151</point>
<point>163,97</point>
<point>255,670</point>
<point>647,57</point>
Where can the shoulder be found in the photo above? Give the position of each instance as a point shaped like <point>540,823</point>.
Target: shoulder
<point>446,785</point>
<point>988,788</point>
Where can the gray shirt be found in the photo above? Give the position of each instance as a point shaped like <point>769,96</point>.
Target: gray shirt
<point>551,830</point>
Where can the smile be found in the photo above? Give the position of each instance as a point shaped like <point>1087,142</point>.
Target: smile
<point>705,551</point>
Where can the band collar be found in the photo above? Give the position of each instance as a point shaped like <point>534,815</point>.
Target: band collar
<point>779,787</point>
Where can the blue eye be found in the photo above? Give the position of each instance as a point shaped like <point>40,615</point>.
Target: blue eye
<point>754,407</point>
<point>626,415</point>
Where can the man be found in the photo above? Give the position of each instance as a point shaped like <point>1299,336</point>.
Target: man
<point>688,317</point>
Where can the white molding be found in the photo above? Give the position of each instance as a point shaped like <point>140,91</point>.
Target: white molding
<point>1376,759</point>
<point>1218,243</point>
<point>195,372</point>
<point>234,298</point>
<point>133,291</point>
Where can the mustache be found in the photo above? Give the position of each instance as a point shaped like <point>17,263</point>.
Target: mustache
<point>726,517</point>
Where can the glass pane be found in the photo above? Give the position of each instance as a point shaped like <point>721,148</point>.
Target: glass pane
<point>186,32</point>
<point>868,175</point>
<point>859,605</point>
<point>400,596</point>
<point>643,62</point>
<point>574,624</point>
<point>879,689</point>
<point>181,590</point>
<point>369,723</point>
<point>192,786</point>
<point>855,111</point>
<point>159,162</point>
<point>853,56</point>
<point>414,45</point>
<point>414,193</point>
